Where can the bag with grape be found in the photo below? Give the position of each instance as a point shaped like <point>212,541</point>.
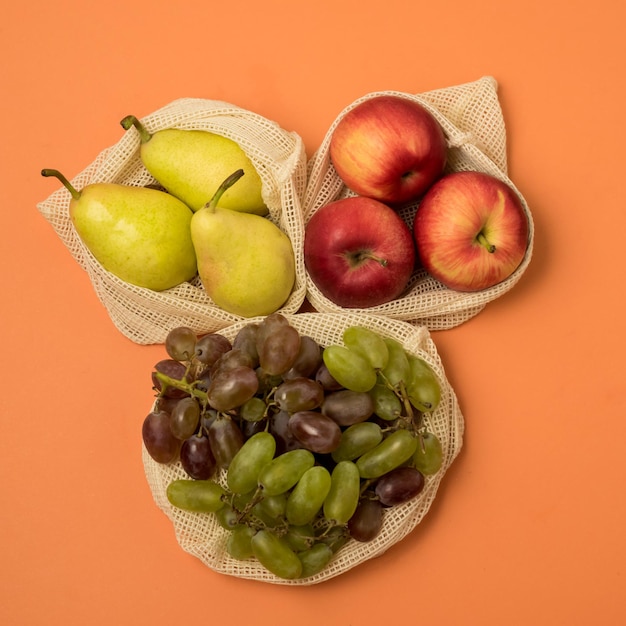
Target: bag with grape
<point>292,448</point>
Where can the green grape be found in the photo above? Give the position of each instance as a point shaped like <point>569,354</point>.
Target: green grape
<point>369,344</point>
<point>315,559</point>
<point>246,465</point>
<point>241,501</point>
<point>349,369</point>
<point>180,343</point>
<point>391,452</point>
<point>232,388</point>
<point>228,517</point>
<point>185,418</point>
<point>299,394</point>
<point>356,440</point>
<point>300,537</point>
<point>274,553</point>
<point>387,405</point>
<point>254,410</point>
<point>343,496</point>
<point>315,431</point>
<point>367,520</point>
<point>422,386</point>
<point>335,537</point>
<point>239,543</point>
<point>397,368</point>
<point>284,471</point>
<point>278,349</point>
<point>272,507</point>
<point>428,456</point>
<point>261,519</point>
<point>307,497</point>
<point>346,407</point>
<point>200,496</point>
<point>209,348</point>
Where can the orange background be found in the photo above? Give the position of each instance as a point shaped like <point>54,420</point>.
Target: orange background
<point>528,526</point>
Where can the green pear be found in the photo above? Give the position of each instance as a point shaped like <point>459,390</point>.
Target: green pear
<point>246,263</point>
<point>191,165</point>
<point>139,234</point>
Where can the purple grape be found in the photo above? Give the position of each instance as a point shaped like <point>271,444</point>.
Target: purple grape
<point>197,458</point>
<point>367,520</point>
<point>158,438</point>
<point>315,431</point>
<point>399,486</point>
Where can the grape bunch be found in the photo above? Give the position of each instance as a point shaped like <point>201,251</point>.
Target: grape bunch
<point>295,447</point>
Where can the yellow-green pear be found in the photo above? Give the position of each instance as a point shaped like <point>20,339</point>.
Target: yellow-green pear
<point>246,263</point>
<point>192,164</point>
<point>139,234</point>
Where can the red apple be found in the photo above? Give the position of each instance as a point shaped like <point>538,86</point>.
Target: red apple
<point>471,231</point>
<point>358,252</point>
<point>389,148</point>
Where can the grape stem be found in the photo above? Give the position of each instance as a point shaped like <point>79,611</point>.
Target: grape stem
<point>400,390</point>
<point>190,388</point>
<point>404,397</point>
<point>256,498</point>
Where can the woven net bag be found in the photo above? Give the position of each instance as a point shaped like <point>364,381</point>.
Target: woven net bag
<point>201,536</point>
<point>471,118</point>
<point>143,315</point>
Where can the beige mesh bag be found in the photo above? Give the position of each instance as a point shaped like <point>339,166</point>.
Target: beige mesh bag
<point>201,536</point>
<point>145,316</point>
<point>471,118</point>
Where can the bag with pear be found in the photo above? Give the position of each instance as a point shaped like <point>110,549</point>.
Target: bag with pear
<point>475,139</point>
<point>199,172</point>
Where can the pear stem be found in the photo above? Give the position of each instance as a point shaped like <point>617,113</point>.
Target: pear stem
<point>66,183</point>
<point>131,120</point>
<point>484,242</point>
<point>229,182</point>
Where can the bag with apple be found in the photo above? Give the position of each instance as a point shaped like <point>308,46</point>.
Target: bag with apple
<point>409,212</point>
<point>164,226</point>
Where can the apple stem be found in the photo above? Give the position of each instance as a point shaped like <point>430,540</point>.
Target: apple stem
<point>229,182</point>
<point>131,120</point>
<point>360,256</point>
<point>66,183</point>
<point>483,241</point>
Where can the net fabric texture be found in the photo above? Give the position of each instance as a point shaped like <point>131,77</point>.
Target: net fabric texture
<point>472,120</point>
<point>145,316</point>
<point>201,536</point>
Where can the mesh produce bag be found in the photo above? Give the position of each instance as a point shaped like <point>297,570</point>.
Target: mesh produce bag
<point>471,118</point>
<point>199,533</point>
<point>145,316</point>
